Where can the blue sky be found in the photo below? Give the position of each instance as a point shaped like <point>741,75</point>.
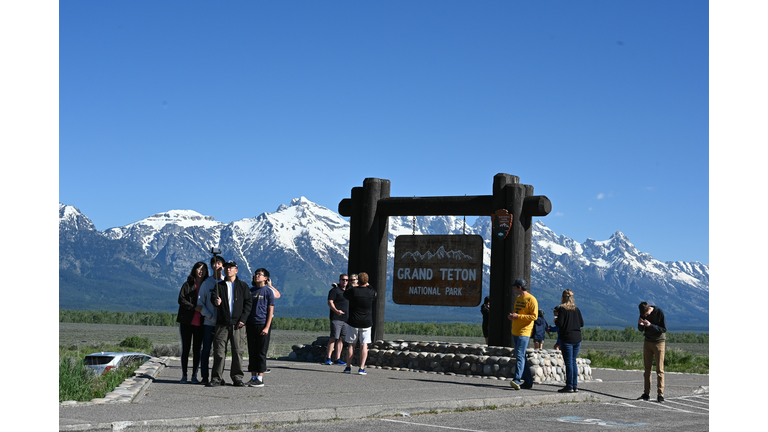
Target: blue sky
<point>232,109</point>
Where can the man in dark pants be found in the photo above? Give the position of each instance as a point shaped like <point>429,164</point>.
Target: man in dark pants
<point>258,327</point>
<point>208,311</point>
<point>653,324</point>
<point>232,297</point>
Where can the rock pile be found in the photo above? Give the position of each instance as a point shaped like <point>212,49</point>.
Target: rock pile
<point>454,359</point>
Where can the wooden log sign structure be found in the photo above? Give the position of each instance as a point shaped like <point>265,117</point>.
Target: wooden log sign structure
<point>369,209</point>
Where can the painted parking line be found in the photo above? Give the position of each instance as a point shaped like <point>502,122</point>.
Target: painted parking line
<point>670,404</point>
<point>435,426</point>
<point>677,401</point>
<point>592,421</point>
<point>699,399</point>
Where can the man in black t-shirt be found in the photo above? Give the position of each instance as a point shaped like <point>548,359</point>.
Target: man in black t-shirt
<point>653,324</point>
<point>360,320</point>
<point>339,313</point>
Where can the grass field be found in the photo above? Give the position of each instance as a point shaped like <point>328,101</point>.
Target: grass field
<point>84,335</point>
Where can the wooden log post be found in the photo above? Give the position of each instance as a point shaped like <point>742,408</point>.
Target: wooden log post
<point>526,221</point>
<point>379,279</point>
<point>515,258</point>
<point>499,325</point>
<point>355,239</point>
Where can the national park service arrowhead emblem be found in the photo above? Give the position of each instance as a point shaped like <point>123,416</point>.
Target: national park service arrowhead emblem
<point>502,222</point>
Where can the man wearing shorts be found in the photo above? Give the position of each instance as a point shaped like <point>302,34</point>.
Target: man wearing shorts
<point>339,313</point>
<point>360,321</point>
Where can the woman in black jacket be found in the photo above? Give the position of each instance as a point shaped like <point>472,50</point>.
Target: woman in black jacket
<point>190,321</point>
<point>570,322</point>
<point>485,309</point>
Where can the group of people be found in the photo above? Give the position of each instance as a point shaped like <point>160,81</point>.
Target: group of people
<point>351,303</point>
<point>217,309</point>
<point>220,309</point>
<point>528,321</point>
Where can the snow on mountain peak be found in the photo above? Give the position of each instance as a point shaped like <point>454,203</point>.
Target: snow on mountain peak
<point>71,216</point>
<point>182,218</point>
<point>300,201</point>
<point>67,212</point>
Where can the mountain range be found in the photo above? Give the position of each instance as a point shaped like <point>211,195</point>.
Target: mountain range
<point>142,265</point>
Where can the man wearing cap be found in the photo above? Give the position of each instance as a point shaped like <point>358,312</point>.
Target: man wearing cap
<point>232,297</point>
<point>524,314</point>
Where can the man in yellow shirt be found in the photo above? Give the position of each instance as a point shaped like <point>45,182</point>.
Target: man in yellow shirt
<point>523,315</point>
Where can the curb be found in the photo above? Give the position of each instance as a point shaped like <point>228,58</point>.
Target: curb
<point>327,414</point>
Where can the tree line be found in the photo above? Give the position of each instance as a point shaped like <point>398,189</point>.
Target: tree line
<point>629,334</point>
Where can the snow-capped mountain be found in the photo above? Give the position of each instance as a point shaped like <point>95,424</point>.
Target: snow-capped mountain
<point>305,247</point>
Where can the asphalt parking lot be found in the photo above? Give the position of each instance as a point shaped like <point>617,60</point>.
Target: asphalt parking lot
<point>310,396</point>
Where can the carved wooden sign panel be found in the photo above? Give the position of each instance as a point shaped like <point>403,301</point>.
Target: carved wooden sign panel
<point>438,270</point>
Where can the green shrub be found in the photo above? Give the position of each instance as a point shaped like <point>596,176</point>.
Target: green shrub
<point>166,350</point>
<point>136,342</point>
<point>79,383</point>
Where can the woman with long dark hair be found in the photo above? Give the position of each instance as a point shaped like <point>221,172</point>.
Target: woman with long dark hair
<point>569,322</point>
<point>190,321</point>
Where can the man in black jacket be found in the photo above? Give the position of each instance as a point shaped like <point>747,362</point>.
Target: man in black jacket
<point>653,324</point>
<point>232,297</point>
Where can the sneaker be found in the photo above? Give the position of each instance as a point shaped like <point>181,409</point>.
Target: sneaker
<point>575,389</point>
<point>238,384</point>
<point>566,389</point>
<point>194,380</point>
<point>526,386</point>
<point>339,362</point>
<point>255,382</point>
<point>348,369</point>
<point>644,397</point>
<point>183,379</point>
<point>268,371</point>
<point>213,383</point>
<point>328,362</point>
<point>514,385</point>
<point>660,399</point>
<point>362,372</point>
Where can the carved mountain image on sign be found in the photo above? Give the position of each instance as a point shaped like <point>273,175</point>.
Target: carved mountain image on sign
<point>441,253</point>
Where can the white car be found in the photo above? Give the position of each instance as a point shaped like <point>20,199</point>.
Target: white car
<point>103,361</point>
